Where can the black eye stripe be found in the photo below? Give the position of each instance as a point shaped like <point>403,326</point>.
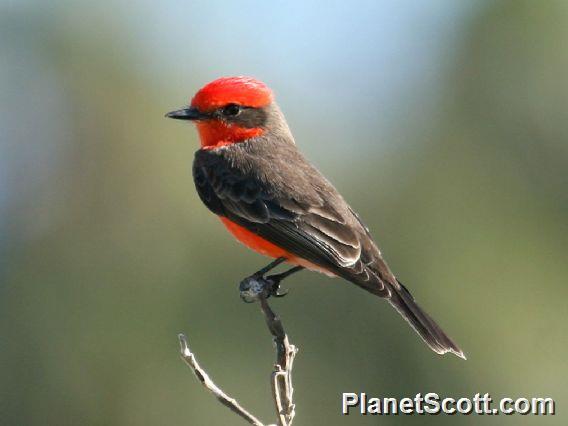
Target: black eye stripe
<point>242,115</point>
<point>231,110</point>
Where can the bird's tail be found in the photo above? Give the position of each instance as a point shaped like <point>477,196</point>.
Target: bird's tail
<point>425,326</point>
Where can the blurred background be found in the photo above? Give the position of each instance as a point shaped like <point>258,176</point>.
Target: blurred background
<point>445,124</point>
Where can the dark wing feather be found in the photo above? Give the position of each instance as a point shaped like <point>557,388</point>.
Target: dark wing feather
<point>304,225</point>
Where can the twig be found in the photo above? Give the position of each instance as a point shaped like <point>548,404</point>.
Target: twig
<point>282,389</point>
<point>257,289</point>
<point>203,377</point>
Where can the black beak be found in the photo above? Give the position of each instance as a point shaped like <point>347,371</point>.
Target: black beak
<point>187,114</point>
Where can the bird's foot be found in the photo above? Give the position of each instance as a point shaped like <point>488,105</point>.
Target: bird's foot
<point>274,281</point>
<point>258,287</point>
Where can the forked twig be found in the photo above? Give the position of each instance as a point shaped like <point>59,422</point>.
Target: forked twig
<point>281,377</point>
<point>282,389</point>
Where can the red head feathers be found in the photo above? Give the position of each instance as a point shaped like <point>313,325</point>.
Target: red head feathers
<point>245,91</point>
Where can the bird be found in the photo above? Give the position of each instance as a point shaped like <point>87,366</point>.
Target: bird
<point>250,172</point>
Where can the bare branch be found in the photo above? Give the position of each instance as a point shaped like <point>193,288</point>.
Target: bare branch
<point>203,377</point>
<point>257,288</point>
<point>282,389</point>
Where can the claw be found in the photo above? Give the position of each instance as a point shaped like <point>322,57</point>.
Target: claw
<point>257,286</point>
<point>277,294</point>
<point>274,281</point>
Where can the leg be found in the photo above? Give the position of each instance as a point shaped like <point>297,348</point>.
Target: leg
<point>257,285</point>
<point>269,267</point>
<point>277,278</point>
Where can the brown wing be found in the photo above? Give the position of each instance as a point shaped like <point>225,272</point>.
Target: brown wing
<point>271,190</point>
<point>289,204</point>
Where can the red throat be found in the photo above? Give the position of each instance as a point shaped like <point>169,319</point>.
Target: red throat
<point>214,134</point>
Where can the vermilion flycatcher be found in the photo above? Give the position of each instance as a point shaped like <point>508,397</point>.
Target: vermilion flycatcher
<point>250,173</point>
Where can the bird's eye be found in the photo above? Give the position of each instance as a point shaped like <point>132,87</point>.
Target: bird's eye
<point>231,110</point>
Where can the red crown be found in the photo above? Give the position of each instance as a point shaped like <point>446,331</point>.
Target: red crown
<point>245,91</point>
